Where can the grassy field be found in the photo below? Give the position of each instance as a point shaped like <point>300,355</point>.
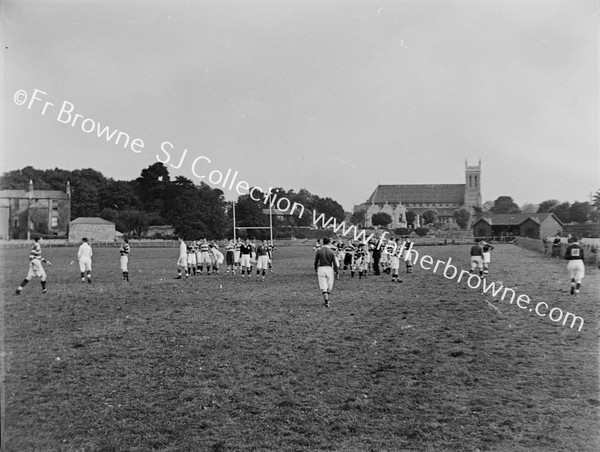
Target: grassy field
<point>216,363</point>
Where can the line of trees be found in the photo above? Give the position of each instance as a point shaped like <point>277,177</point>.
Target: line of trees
<point>577,212</point>
<point>155,199</point>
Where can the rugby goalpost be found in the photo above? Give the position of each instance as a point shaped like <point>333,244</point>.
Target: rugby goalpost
<point>270,227</point>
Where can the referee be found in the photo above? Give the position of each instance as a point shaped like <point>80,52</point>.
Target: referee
<point>326,266</point>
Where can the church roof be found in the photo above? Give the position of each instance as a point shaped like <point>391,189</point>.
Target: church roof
<point>434,193</point>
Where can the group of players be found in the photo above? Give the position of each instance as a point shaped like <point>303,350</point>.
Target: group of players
<point>374,256</point>
<point>240,256</point>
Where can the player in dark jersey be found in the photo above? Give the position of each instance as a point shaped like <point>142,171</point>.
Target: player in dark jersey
<point>245,252</point>
<point>124,252</point>
<point>349,255</point>
<point>576,267</point>
<point>477,257</point>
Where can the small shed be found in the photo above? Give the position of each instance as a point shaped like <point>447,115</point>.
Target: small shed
<point>509,225</point>
<point>93,228</point>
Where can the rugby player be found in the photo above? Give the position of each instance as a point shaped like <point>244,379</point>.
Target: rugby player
<point>35,266</point>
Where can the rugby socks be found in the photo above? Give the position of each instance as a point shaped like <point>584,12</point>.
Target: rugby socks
<point>44,290</point>
<point>20,288</point>
<point>89,276</point>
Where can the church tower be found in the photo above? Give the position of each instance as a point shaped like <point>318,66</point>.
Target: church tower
<point>472,185</point>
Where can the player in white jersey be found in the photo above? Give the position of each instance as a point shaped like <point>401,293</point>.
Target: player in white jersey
<point>124,252</point>
<point>191,258</point>
<point>217,257</point>
<point>182,260</point>
<point>35,266</point>
<point>84,255</point>
<point>394,250</point>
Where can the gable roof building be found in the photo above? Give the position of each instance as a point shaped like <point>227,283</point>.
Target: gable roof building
<point>532,225</point>
<point>93,228</point>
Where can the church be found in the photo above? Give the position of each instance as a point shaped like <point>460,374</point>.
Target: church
<point>397,200</point>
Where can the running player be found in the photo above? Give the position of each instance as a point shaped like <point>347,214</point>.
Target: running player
<point>35,266</point>
<point>576,267</point>
<point>124,252</point>
<point>84,255</point>
<point>326,268</point>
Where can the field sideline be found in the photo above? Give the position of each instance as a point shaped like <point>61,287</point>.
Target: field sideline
<point>217,363</point>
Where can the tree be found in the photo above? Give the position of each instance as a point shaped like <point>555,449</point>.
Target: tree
<point>359,217</point>
<point>411,216</point>
<point>119,195</point>
<point>152,186</point>
<point>478,212</point>
<point>381,219</point>
<point>529,207</point>
<point>547,206</point>
<point>461,216</point>
<point>331,208</point>
<point>505,204</point>
<point>562,212</point>
<point>132,222</point>
<point>429,216</point>
<point>580,212</point>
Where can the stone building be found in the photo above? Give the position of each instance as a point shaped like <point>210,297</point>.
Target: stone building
<point>397,200</point>
<point>95,229</point>
<point>24,213</point>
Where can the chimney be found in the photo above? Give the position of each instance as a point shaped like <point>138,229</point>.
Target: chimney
<point>68,191</point>
<point>30,187</point>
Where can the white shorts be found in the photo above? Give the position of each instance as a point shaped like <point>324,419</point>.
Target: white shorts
<point>36,269</point>
<point>245,260</point>
<point>576,270</point>
<point>487,258</point>
<point>205,258</point>
<point>85,264</point>
<point>325,276</point>
<point>476,262</point>
<point>182,261</point>
<point>124,261</point>
<point>236,257</point>
<point>262,263</point>
<point>191,259</point>
<point>395,263</point>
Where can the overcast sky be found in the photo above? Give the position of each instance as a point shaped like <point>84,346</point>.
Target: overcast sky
<point>332,96</point>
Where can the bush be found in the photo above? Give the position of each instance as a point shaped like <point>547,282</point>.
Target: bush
<point>402,231</point>
<point>422,232</point>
